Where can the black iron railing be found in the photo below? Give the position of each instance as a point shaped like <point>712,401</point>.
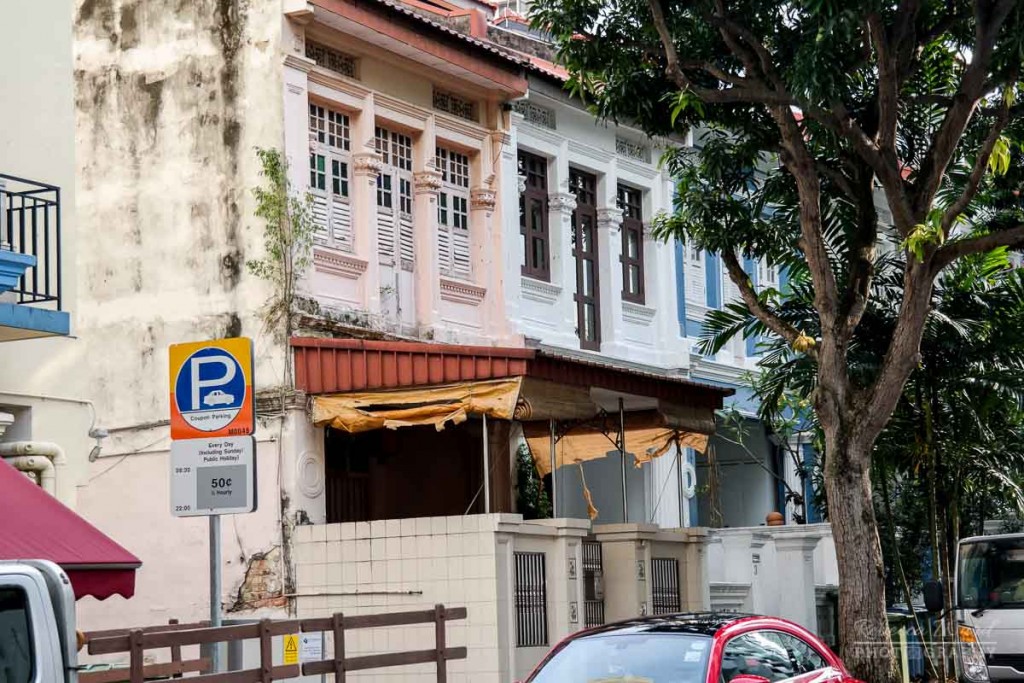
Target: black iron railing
<point>30,224</point>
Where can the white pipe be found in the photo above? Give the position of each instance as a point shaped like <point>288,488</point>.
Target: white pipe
<point>38,457</point>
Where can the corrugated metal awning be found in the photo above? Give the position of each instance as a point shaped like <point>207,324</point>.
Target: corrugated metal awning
<point>332,366</point>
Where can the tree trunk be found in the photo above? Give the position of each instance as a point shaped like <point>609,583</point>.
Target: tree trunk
<point>866,646</point>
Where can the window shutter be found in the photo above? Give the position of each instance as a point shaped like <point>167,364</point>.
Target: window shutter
<point>386,237</point>
<point>341,224</point>
<point>460,254</point>
<point>444,249</point>
<point>320,218</point>
<point>695,282</point>
<point>406,246</point>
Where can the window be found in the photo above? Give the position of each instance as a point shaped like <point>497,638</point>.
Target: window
<point>453,214</point>
<point>632,258</point>
<point>394,194</point>
<point>767,275</point>
<point>15,636</point>
<point>329,164</point>
<point>533,216</point>
<point>771,654</point>
<point>693,270</point>
<point>531,600</point>
<point>584,240</point>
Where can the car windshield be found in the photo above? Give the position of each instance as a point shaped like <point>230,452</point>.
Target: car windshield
<point>991,574</point>
<point>632,658</point>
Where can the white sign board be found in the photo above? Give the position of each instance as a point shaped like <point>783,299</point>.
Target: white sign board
<point>213,476</point>
<point>311,647</point>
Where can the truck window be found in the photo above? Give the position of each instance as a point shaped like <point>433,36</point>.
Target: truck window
<point>15,637</point>
<point>991,574</point>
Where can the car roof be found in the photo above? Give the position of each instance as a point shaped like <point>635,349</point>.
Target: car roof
<point>689,623</point>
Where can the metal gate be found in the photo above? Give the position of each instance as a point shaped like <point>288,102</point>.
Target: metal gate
<point>593,585</point>
<point>665,585</point>
<point>531,598</point>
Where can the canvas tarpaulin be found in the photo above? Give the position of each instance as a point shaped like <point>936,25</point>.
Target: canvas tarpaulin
<point>438,406</point>
<point>647,437</point>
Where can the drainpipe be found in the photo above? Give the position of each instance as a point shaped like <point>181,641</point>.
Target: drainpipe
<point>37,457</point>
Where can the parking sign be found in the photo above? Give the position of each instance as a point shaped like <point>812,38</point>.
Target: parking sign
<point>211,389</point>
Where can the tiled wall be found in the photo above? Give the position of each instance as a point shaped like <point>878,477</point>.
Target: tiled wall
<point>399,565</point>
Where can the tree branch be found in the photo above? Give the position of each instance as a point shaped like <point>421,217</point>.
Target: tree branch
<point>1011,237</point>
<point>972,88</point>
<point>749,296</point>
<point>978,172</point>
<point>888,83</point>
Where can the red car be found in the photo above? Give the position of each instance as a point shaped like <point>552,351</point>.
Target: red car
<point>693,648</point>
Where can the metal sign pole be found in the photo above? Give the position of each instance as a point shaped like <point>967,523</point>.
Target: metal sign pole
<point>215,588</point>
<point>554,494</point>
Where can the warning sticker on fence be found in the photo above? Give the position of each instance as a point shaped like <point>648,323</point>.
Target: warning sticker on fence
<point>311,647</point>
<point>291,649</point>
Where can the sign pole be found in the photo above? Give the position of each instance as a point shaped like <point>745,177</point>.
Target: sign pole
<point>215,588</point>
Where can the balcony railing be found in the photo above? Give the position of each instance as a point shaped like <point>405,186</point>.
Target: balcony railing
<point>30,225</point>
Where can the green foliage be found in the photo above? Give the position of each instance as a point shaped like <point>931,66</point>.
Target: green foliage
<point>532,501</point>
<point>287,238</point>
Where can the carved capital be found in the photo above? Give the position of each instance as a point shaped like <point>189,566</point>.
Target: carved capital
<point>482,198</point>
<point>367,164</point>
<point>563,202</point>
<point>426,182</point>
<point>609,218</point>
<point>521,183</point>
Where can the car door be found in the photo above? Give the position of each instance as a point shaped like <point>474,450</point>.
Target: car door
<point>776,656</point>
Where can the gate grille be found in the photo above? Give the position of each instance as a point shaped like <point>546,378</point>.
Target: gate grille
<point>531,600</point>
<point>593,590</point>
<point>665,585</point>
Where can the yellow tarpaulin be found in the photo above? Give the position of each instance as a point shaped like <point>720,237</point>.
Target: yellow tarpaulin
<point>646,438</point>
<point>437,406</point>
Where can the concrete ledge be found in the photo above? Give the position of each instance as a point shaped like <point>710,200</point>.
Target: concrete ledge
<point>18,321</point>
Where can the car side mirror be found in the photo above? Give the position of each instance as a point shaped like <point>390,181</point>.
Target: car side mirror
<point>934,600</point>
<point>748,678</point>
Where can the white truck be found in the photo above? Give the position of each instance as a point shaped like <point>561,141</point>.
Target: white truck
<point>38,640</point>
<point>989,607</point>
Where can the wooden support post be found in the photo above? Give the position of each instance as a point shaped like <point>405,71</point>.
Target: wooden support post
<point>175,649</point>
<point>136,663</point>
<point>266,652</point>
<point>338,629</point>
<point>439,637</point>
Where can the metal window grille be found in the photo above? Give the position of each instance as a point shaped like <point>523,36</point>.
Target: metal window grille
<point>531,600</point>
<point>593,589</point>
<point>665,585</point>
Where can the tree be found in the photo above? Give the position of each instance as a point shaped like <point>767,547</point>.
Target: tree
<point>834,103</point>
<point>952,455</point>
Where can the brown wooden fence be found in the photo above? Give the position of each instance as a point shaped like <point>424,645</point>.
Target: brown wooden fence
<point>175,636</point>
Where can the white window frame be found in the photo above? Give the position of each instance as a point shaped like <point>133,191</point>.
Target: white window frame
<point>395,216</point>
<point>330,184</point>
<point>453,212</point>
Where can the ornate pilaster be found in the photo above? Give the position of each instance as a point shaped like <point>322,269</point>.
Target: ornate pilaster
<point>426,182</point>
<point>483,199</point>
<point>367,165</point>
<point>609,219</point>
<point>563,202</point>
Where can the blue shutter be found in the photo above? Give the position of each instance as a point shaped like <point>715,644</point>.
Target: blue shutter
<point>681,288</point>
<point>712,271</point>
<point>751,267</point>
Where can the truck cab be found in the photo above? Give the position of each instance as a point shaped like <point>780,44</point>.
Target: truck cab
<point>990,600</point>
<point>38,641</point>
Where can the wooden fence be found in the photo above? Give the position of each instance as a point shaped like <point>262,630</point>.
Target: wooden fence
<point>175,636</point>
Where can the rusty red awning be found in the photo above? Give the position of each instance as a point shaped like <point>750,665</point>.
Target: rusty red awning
<point>334,366</point>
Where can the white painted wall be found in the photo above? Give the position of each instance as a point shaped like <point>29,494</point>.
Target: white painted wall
<point>40,379</point>
<point>546,311</point>
<point>746,490</point>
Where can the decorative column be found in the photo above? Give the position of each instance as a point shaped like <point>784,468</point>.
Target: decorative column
<point>426,186</point>
<point>609,247</point>
<point>563,265</point>
<point>488,250</point>
<point>366,166</point>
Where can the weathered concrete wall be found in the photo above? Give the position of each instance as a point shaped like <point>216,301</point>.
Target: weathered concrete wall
<point>170,101</point>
